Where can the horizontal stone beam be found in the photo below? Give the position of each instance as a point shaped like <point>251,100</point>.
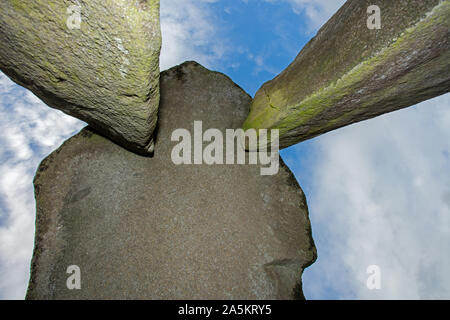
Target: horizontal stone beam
<point>370,58</point>
<point>132,227</point>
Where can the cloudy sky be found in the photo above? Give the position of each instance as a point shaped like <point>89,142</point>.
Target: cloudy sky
<point>378,191</point>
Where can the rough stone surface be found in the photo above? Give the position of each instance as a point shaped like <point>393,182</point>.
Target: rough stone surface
<point>145,228</point>
<point>105,73</point>
<point>348,73</point>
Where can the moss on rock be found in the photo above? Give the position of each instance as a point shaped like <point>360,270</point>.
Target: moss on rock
<point>106,72</point>
<point>348,73</point>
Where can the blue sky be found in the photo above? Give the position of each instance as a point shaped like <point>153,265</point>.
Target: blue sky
<point>378,191</point>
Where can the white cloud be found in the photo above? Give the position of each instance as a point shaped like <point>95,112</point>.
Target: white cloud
<point>30,131</point>
<point>380,195</point>
<point>317,12</point>
<point>190,33</point>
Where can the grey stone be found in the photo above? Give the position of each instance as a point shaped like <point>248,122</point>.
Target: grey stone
<point>106,72</point>
<point>145,228</point>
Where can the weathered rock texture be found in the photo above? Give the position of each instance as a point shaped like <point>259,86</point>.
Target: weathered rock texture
<point>105,73</point>
<point>348,73</point>
<point>143,227</point>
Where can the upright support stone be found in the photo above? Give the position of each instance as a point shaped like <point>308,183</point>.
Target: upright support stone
<point>96,60</point>
<point>352,71</point>
<point>146,228</point>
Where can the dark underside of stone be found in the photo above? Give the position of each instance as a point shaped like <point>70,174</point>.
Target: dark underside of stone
<point>145,228</point>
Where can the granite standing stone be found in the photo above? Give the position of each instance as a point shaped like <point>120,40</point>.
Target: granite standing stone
<point>145,228</point>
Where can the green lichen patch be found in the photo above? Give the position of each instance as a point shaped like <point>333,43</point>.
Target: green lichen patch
<point>390,78</point>
<point>106,72</point>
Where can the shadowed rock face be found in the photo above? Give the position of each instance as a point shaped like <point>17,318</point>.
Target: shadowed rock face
<point>105,73</point>
<point>145,228</point>
<point>348,73</point>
